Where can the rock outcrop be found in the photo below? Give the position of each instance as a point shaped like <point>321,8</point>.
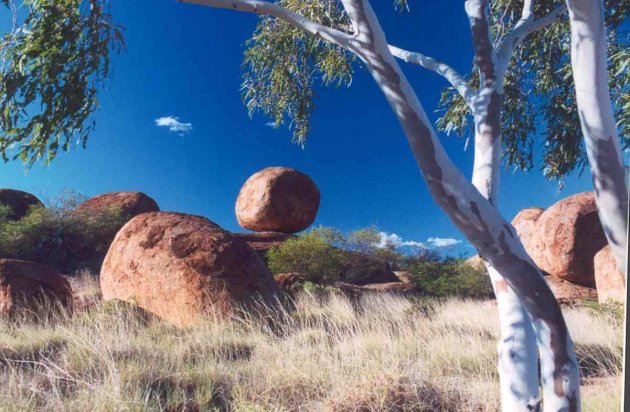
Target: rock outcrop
<point>128,204</point>
<point>105,214</point>
<point>396,288</point>
<point>567,292</point>
<point>568,235</point>
<point>362,269</point>
<point>263,241</point>
<point>183,268</point>
<point>18,202</point>
<point>277,199</point>
<point>27,288</point>
<point>608,279</point>
<point>289,281</point>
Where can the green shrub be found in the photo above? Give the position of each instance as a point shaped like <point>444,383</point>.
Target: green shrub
<point>311,254</point>
<point>59,238</point>
<point>450,277</point>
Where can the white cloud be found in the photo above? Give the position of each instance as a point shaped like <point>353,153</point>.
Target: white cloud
<point>396,241</point>
<point>432,243</point>
<point>443,242</point>
<point>174,125</point>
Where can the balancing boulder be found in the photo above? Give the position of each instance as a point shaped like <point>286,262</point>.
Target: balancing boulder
<point>277,199</point>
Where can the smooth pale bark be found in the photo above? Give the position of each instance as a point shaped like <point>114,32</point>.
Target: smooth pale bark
<point>517,349</point>
<point>477,219</point>
<point>590,72</point>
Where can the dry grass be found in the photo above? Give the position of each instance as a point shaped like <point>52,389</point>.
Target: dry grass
<point>323,354</point>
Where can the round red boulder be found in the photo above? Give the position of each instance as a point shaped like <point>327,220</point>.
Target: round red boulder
<point>277,199</point>
<point>568,235</point>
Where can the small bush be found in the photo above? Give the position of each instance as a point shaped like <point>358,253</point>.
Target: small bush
<point>451,277</point>
<point>59,238</point>
<point>311,254</point>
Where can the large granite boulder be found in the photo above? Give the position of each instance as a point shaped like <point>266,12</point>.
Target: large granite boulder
<point>568,235</point>
<point>277,199</point>
<point>525,224</point>
<point>19,203</point>
<point>27,288</point>
<point>608,279</point>
<point>183,268</point>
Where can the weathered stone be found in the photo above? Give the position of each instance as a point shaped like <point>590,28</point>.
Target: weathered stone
<point>183,268</point>
<point>567,292</point>
<point>28,288</point>
<point>609,281</point>
<point>568,235</point>
<point>288,281</point>
<point>263,241</point>
<point>525,224</point>
<point>128,204</point>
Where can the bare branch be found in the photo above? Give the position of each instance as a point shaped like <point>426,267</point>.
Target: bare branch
<point>454,78</point>
<point>264,7</point>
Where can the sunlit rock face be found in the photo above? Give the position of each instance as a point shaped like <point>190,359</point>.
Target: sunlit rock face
<point>277,199</point>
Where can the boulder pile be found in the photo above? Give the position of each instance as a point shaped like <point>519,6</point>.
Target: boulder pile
<point>564,241</point>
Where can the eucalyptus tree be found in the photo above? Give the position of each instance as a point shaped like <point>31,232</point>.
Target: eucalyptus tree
<point>540,100</point>
<point>294,41</point>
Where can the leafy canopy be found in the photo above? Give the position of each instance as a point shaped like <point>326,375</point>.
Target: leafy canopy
<point>539,90</point>
<point>51,65</point>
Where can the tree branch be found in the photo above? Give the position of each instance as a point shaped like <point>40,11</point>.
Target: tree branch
<point>264,7</point>
<point>454,78</point>
<point>524,27</point>
<point>485,56</point>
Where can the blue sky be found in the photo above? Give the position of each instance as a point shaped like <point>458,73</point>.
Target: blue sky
<point>183,62</point>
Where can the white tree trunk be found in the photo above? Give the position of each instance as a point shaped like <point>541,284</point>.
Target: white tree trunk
<point>588,60</point>
<point>517,348</point>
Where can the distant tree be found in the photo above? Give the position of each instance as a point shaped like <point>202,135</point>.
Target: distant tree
<point>299,40</point>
